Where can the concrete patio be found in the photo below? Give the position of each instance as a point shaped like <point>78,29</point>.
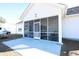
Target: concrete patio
<point>35,48</point>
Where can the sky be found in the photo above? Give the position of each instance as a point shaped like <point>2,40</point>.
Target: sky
<point>12,11</point>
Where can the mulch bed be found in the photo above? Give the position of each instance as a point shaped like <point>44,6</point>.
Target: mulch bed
<point>70,48</point>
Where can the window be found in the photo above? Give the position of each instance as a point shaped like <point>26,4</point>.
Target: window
<point>19,29</point>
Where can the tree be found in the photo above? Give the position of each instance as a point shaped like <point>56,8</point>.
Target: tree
<point>2,20</point>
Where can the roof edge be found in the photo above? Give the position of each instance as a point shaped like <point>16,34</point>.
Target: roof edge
<point>25,11</point>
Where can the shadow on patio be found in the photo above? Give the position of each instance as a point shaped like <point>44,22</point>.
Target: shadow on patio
<point>4,48</point>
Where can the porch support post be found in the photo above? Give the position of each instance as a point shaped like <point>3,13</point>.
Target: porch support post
<point>60,28</point>
<point>23,28</point>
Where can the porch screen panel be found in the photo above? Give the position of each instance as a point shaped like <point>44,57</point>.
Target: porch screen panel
<point>44,28</point>
<point>31,29</point>
<point>26,29</point>
<point>53,28</point>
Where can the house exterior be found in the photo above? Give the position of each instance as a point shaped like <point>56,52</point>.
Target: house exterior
<point>70,24</point>
<point>50,22</point>
<point>43,21</point>
<point>19,27</point>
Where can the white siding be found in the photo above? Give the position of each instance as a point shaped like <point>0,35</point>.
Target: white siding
<point>42,10</point>
<point>19,25</point>
<point>71,27</point>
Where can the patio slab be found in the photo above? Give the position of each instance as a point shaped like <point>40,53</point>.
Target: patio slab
<point>31,47</point>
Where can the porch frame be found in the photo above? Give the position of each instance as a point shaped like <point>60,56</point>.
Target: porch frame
<point>59,25</point>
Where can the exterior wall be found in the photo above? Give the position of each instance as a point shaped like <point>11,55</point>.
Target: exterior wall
<point>19,28</point>
<point>41,11</point>
<point>70,27</point>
